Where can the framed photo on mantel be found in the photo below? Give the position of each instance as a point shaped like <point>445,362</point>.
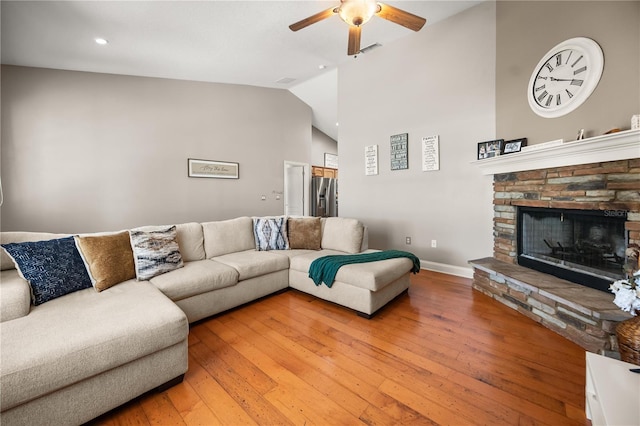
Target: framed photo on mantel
<point>490,149</point>
<point>514,145</point>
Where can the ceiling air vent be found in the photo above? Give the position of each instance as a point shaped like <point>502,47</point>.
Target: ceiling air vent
<point>370,47</point>
<point>286,80</point>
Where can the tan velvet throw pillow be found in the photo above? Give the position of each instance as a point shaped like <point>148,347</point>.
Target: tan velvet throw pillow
<point>108,258</point>
<point>305,233</point>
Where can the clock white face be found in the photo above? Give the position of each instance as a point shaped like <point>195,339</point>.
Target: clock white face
<point>565,77</point>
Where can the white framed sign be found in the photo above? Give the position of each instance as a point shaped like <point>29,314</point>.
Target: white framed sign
<point>430,153</point>
<point>371,160</point>
<point>331,160</point>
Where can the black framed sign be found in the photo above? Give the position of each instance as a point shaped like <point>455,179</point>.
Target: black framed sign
<point>400,151</point>
<point>514,145</point>
<point>489,149</point>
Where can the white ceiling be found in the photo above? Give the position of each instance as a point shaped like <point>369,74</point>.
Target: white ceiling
<point>234,42</point>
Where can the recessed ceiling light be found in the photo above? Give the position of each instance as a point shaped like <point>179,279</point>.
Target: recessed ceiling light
<point>101,41</point>
<point>322,67</point>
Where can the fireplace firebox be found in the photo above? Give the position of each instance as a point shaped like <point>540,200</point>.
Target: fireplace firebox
<point>586,247</point>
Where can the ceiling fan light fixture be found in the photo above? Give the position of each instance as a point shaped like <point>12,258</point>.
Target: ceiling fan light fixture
<point>357,12</point>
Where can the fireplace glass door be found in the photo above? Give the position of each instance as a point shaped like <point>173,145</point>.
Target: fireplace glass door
<point>583,246</point>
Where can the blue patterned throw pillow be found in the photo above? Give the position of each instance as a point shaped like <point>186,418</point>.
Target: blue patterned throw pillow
<point>53,268</point>
<point>270,233</point>
<point>155,252</point>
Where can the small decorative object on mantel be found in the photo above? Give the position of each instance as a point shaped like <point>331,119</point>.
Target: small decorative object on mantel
<point>580,135</point>
<point>614,130</point>
<point>635,122</point>
<point>490,149</point>
<point>627,298</point>
<point>514,145</point>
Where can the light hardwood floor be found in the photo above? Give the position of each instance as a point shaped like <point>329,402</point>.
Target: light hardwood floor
<point>443,354</point>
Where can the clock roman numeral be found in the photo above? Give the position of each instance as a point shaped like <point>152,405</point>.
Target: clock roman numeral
<point>569,93</point>
<point>558,59</point>
<point>540,88</point>
<point>543,78</point>
<point>579,70</point>
<point>542,96</point>
<point>549,67</point>
<point>576,82</point>
<point>558,101</point>
<point>577,60</point>
<point>569,57</point>
<point>549,99</point>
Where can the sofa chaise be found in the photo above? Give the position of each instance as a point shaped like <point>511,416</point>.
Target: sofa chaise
<point>78,355</point>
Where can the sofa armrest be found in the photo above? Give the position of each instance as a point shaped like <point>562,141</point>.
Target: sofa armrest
<point>15,296</point>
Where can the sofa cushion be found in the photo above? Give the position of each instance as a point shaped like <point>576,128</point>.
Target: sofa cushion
<point>82,335</point>
<point>195,278</point>
<point>371,276</point>
<point>270,233</point>
<point>52,268</point>
<point>252,263</point>
<point>16,295</point>
<point>228,236</point>
<point>342,234</point>
<point>108,258</point>
<point>155,252</point>
<point>305,233</point>
<point>303,261</point>
<point>190,239</point>
<point>20,237</point>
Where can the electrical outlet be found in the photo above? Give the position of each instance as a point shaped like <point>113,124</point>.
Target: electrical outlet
<point>408,240</point>
<point>434,243</point>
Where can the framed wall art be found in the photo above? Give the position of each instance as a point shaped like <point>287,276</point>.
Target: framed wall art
<point>212,169</point>
<point>514,145</point>
<point>490,149</point>
<point>400,151</point>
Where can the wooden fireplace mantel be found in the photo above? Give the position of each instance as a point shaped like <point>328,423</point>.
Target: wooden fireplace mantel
<point>616,146</point>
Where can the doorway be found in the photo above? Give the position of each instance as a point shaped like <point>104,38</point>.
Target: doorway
<point>296,188</point>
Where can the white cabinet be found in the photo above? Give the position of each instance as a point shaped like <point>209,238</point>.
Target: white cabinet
<point>612,392</point>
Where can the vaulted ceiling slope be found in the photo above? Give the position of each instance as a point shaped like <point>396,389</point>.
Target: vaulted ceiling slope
<point>234,42</point>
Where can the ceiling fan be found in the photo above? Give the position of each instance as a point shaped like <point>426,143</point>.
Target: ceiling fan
<point>356,13</point>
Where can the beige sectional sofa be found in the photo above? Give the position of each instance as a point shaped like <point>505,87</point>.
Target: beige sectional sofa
<point>80,355</point>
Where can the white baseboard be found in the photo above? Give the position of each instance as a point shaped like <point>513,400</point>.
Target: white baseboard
<point>459,271</point>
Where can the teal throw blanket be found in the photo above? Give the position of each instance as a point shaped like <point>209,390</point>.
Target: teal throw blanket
<point>324,269</point>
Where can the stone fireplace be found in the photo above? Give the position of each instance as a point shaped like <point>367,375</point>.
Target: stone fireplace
<point>580,214</point>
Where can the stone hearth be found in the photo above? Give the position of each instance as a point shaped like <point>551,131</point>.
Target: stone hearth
<point>583,315</point>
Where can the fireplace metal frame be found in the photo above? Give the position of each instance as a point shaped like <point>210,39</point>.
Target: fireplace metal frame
<point>578,277</point>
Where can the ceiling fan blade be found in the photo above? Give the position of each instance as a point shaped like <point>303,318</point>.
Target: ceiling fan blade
<point>354,40</point>
<point>313,19</point>
<point>398,16</point>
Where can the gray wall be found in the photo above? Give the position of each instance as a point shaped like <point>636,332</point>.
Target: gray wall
<point>439,81</point>
<point>88,152</point>
<point>527,30</point>
<point>321,144</point>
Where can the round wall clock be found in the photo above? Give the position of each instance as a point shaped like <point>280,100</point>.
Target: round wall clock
<point>565,77</point>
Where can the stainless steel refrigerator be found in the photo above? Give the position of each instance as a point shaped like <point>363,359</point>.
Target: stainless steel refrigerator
<point>324,197</point>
